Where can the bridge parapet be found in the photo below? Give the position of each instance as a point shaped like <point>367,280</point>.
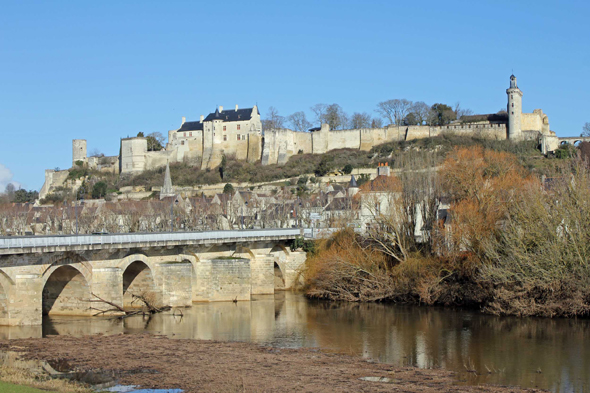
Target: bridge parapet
<point>35,244</point>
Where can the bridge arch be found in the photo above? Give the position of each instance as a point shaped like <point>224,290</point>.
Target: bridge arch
<point>65,291</point>
<point>67,259</point>
<point>138,279</point>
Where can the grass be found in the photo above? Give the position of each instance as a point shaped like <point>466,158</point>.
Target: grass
<point>14,380</point>
<point>12,388</point>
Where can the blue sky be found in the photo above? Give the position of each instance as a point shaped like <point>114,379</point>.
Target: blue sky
<point>105,70</point>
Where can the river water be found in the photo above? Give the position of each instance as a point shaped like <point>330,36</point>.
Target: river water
<point>530,352</point>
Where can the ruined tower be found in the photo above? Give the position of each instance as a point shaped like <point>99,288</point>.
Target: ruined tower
<point>79,151</point>
<point>514,110</point>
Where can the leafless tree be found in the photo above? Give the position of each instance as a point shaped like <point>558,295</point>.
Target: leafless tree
<point>585,130</point>
<point>360,120</point>
<point>461,111</point>
<point>421,112</point>
<point>394,110</point>
<point>273,121</point>
<point>377,122</point>
<point>299,122</point>
<point>319,111</point>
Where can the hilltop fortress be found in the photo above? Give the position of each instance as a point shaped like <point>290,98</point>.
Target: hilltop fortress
<point>238,133</point>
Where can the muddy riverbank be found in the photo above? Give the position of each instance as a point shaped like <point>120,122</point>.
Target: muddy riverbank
<point>152,361</point>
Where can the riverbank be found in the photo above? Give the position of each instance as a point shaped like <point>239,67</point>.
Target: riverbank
<point>154,362</point>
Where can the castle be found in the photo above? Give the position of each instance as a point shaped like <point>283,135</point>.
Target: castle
<point>238,133</point>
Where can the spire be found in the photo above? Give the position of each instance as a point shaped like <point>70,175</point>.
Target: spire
<point>167,189</point>
<point>352,182</point>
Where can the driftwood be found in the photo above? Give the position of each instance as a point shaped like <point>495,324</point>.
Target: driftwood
<point>148,307</point>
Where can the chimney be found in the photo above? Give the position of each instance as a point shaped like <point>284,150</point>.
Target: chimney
<point>183,120</point>
<point>220,109</point>
<point>236,107</point>
<point>202,118</point>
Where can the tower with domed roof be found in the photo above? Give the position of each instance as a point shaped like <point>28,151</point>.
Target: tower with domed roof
<point>514,110</point>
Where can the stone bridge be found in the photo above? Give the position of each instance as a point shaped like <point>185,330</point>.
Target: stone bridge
<point>56,275</point>
<point>572,140</point>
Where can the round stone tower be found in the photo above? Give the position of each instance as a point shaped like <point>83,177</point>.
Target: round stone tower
<point>79,151</point>
<point>514,110</point>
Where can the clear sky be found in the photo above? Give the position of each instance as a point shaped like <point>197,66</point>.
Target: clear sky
<point>103,70</point>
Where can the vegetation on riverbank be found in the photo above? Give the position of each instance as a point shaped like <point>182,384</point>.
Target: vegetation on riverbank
<point>509,245</point>
<point>15,380</point>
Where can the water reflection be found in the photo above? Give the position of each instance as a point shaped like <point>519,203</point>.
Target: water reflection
<point>528,352</point>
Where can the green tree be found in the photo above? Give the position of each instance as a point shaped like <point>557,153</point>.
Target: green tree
<point>228,189</point>
<point>442,114</point>
<point>24,196</point>
<point>99,190</point>
<point>325,166</point>
<point>155,141</point>
<point>140,134</point>
<point>347,169</point>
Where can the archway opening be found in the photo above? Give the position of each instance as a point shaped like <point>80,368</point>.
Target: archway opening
<point>279,278</point>
<point>138,280</point>
<point>66,292</point>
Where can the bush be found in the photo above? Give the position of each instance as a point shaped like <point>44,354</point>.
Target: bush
<point>99,190</point>
<point>347,169</point>
<point>228,189</point>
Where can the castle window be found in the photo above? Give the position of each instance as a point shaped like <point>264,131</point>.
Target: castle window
<point>225,137</point>
<point>223,128</point>
<point>182,142</point>
<point>238,126</point>
<point>185,134</point>
<point>244,137</point>
<point>238,136</point>
<point>511,97</point>
<point>190,134</point>
<point>513,104</point>
<point>512,112</point>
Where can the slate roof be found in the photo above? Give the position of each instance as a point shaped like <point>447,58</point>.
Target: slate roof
<point>231,115</point>
<point>492,117</point>
<point>191,126</point>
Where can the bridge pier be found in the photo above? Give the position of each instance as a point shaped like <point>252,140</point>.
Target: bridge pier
<point>107,283</point>
<point>25,305</point>
<point>176,283</point>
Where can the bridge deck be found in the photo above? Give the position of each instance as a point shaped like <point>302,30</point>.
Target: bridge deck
<point>32,244</point>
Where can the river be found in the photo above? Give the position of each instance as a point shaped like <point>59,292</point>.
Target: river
<point>529,352</point>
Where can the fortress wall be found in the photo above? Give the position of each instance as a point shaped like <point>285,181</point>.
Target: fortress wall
<point>319,140</point>
<point>491,131</point>
<point>531,122</point>
<point>254,147</point>
<point>344,139</point>
<point>302,141</point>
<point>281,144</point>
<point>419,132</point>
<point>53,180</point>
<point>157,159</point>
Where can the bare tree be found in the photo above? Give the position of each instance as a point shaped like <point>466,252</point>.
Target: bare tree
<point>360,120</point>
<point>299,122</point>
<point>461,111</point>
<point>377,122</point>
<point>273,120</point>
<point>319,111</point>
<point>394,110</point>
<point>335,117</point>
<point>585,130</point>
<point>421,112</point>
